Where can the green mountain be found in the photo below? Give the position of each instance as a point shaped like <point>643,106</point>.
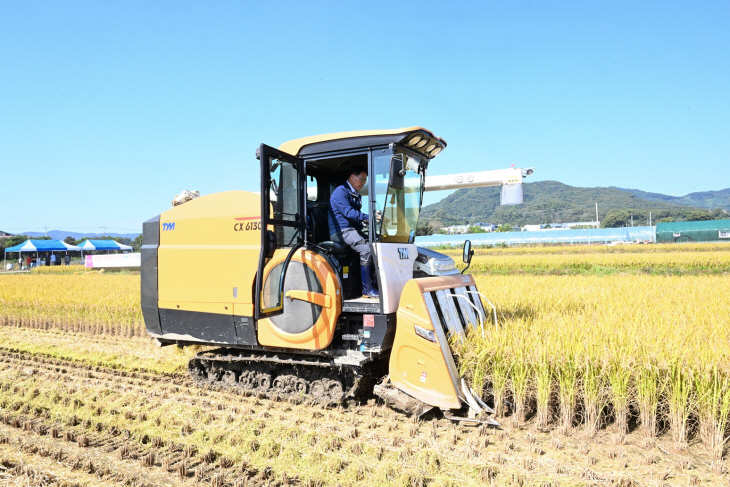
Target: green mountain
<point>554,202</point>
<point>702,199</point>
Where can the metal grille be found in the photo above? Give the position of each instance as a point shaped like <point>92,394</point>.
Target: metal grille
<point>453,309</point>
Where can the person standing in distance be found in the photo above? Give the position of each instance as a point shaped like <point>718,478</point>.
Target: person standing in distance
<point>346,222</point>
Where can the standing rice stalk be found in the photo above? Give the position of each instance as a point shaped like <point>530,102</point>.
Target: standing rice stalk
<point>482,364</point>
<point>592,381</point>
<point>499,372</point>
<point>720,440</point>
<point>544,386</point>
<point>472,357</point>
<point>75,303</point>
<point>650,384</point>
<point>520,382</point>
<point>680,391</point>
<point>567,375</point>
<point>713,406</point>
<point>619,376</point>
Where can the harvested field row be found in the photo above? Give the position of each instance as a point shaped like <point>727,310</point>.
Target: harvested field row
<point>174,387</point>
<point>139,422</point>
<point>137,419</point>
<point>31,458</point>
<point>121,353</point>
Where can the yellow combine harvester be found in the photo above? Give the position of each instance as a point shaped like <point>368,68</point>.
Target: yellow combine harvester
<point>258,276</point>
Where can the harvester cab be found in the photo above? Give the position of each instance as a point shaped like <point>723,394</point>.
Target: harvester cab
<point>286,306</point>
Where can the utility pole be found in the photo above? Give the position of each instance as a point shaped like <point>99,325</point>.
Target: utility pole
<point>649,218</point>
<point>596,215</point>
<point>45,230</point>
<point>632,219</point>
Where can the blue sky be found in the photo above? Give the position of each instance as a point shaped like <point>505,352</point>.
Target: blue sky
<point>109,109</point>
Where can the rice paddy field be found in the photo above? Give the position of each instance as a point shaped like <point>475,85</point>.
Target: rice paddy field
<point>607,366</point>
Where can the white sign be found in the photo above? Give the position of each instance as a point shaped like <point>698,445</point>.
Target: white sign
<point>114,260</point>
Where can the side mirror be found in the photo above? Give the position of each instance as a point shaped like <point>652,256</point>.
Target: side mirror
<point>397,171</point>
<point>468,254</point>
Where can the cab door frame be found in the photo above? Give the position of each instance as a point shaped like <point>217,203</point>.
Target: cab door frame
<point>268,154</point>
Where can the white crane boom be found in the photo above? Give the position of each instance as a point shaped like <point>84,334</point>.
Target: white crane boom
<point>510,179</point>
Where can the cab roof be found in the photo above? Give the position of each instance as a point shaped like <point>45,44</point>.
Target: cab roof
<point>418,139</point>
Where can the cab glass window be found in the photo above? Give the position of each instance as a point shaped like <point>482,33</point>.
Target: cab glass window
<point>400,206</point>
<point>284,198</point>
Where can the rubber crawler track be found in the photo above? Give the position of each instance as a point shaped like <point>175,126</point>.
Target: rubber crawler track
<point>286,376</point>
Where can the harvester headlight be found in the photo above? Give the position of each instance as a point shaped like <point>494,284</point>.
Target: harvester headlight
<point>443,265</point>
<point>430,148</point>
<point>421,143</point>
<point>436,151</point>
<point>424,333</point>
<point>414,139</point>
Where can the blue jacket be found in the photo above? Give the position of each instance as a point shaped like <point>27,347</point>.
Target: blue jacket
<point>344,210</point>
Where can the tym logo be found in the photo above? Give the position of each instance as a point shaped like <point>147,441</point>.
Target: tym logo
<point>168,226</point>
<point>403,254</point>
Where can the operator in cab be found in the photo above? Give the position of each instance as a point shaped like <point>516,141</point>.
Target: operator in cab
<point>346,222</point>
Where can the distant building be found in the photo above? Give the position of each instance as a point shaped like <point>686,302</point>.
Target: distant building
<point>582,224</point>
<point>575,224</point>
<point>489,227</point>
<point>461,229</point>
<point>697,231</point>
<point>533,228</point>
<point>560,226</point>
<point>456,229</point>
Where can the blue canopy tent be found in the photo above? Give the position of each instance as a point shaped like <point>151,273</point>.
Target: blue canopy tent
<point>102,245</point>
<point>37,246</point>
